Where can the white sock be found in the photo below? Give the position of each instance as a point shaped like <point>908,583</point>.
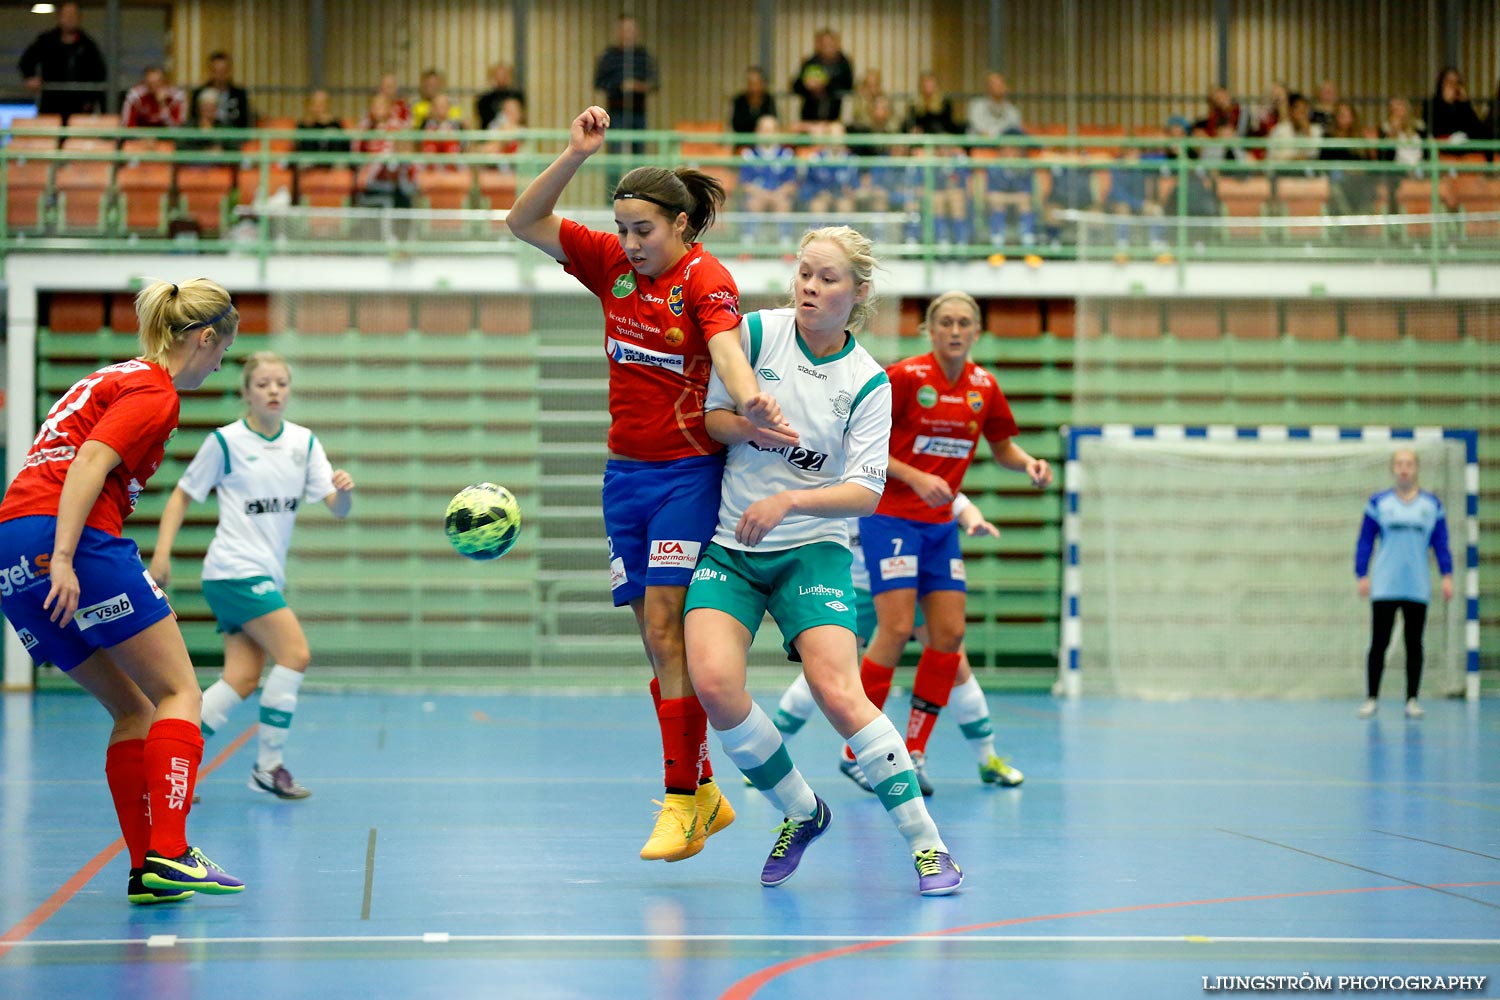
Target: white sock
<point>796,706</point>
<point>971,710</point>
<point>756,748</point>
<point>882,755</point>
<point>278,703</point>
<point>218,701</point>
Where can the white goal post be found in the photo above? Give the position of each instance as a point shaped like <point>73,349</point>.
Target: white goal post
<point>1217,561</point>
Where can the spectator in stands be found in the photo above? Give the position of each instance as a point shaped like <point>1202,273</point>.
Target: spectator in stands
<point>1494,118</point>
<point>208,123</point>
<point>1009,190</point>
<point>752,104</point>
<point>502,88</point>
<point>626,75</point>
<point>1450,115</point>
<point>768,179</point>
<point>1353,190</point>
<point>434,84</point>
<point>1133,191</point>
<point>64,55</point>
<point>1274,110</point>
<point>1199,194</point>
<point>510,119</point>
<point>440,126</point>
<point>1405,131</point>
<point>891,188</point>
<point>951,199</point>
<point>825,77</point>
<point>231,102</point>
<point>384,181</point>
<point>1072,188</point>
<point>316,118</point>
<point>862,104</point>
<point>1407,521</point>
<point>1325,108</point>
<point>882,122</point>
<point>1223,110</point>
<point>400,108</point>
<point>1297,138</point>
<point>829,179</point>
<point>154,103</point>
<point>931,110</point>
<point>993,114</point>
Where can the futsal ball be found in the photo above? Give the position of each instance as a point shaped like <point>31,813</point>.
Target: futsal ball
<point>484,521</point>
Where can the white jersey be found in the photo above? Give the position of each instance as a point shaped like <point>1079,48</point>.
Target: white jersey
<point>840,407</point>
<point>261,482</point>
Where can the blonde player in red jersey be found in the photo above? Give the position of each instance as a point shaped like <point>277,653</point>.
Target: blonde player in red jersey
<point>666,303</point>
<point>78,596</point>
<point>942,403</point>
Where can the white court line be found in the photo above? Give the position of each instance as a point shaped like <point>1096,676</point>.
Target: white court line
<point>439,937</point>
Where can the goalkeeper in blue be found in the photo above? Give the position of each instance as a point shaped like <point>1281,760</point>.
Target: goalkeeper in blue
<point>1406,521</point>
<point>781,545</point>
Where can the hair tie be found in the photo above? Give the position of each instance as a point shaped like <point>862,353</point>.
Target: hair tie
<point>174,289</point>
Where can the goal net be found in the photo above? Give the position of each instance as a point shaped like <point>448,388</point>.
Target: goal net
<point>1215,562</point>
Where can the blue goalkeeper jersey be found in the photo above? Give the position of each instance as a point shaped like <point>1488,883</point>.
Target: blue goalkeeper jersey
<point>1406,530</point>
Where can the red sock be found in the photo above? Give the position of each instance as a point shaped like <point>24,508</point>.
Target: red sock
<point>929,693</point>
<point>173,751</point>
<point>705,765</point>
<point>125,770</point>
<point>683,725</point>
<point>876,678</point>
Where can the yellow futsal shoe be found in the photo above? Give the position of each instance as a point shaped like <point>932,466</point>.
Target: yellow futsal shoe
<point>714,810</point>
<point>676,834</point>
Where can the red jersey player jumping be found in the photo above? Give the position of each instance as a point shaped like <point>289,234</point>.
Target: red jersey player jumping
<point>942,403</point>
<point>666,301</point>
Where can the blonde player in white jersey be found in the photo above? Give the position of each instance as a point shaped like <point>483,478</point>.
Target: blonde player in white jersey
<point>782,545</point>
<point>263,467</point>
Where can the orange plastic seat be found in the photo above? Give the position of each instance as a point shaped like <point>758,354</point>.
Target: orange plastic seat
<point>203,194</point>
<point>76,312</point>
<point>445,189</point>
<point>85,187</point>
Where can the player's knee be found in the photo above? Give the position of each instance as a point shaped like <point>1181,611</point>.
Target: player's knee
<point>944,640</point>
<point>297,658</point>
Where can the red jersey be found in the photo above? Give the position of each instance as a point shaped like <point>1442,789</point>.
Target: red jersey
<point>132,407</point>
<point>935,427</point>
<point>656,333</point>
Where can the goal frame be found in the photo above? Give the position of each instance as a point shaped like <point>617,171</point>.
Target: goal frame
<point>1070,680</point>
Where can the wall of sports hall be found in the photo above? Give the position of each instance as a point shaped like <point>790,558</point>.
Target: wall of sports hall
<point>431,350</point>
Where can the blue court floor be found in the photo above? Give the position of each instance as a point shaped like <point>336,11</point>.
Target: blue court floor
<point>485,846</point>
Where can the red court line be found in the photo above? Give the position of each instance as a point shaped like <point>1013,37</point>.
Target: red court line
<point>750,985</point>
<point>80,878</point>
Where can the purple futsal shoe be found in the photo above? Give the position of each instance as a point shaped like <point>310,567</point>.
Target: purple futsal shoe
<point>937,875</point>
<point>791,840</point>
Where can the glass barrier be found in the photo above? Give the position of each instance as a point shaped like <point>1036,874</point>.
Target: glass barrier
<point>933,198</point>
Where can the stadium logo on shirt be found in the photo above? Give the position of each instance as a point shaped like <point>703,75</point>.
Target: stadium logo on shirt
<point>674,300</point>
<point>113,609</point>
<point>674,336</point>
<point>673,554</point>
<point>927,396</point>
<point>27,639</point>
<point>624,285</point>
<point>976,400</point>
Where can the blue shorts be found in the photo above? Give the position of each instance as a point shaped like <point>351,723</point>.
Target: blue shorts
<point>659,517</point>
<point>902,554</point>
<point>117,598</point>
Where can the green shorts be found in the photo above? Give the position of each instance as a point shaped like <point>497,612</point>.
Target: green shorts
<point>235,602</point>
<point>802,588</point>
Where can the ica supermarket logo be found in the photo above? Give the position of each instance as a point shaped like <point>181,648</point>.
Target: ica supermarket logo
<point>927,397</point>
<point>624,285</point>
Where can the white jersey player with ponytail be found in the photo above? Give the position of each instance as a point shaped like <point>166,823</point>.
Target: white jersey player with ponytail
<point>263,468</point>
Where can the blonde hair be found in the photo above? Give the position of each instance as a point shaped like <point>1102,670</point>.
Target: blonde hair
<point>951,296</point>
<point>255,360</point>
<point>860,250</point>
<point>168,313</point>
